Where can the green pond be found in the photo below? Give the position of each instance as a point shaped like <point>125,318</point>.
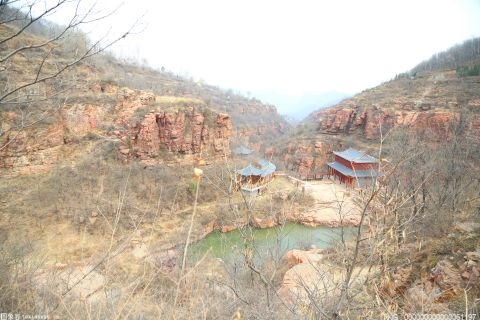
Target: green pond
<point>270,242</point>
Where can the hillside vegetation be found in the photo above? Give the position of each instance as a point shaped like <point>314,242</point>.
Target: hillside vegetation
<point>425,126</point>
<point>100,199</point>
<point>462,55</point>
<point>97,193</point>
<point>432,99</point>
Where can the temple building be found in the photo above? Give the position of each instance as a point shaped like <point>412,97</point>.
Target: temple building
<point>254,177</point>
<point>354,168</point>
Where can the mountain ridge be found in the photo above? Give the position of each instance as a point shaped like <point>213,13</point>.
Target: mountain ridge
<point>432,99</point>
<point>300,106</point>
<point>99,86</point>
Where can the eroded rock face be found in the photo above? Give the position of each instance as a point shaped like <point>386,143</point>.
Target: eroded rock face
<point>368,121</point>
<point>307,159</point>
<point>139,133</point>
<point>182,131</point>
<point>32,151</point>
<point>430,102</point>
<point>148,138</point>
<point>223,130</point>
<point>187,131</point>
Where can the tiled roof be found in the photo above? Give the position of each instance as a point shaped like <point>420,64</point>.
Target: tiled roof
<point>250,171</point>
<point>354,173</point>
<point>266,169</point>
<point>355,156</point>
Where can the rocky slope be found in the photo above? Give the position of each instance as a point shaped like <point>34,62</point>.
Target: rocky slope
<point>434,104</point>
<point>153,116</point>
<point>254,123</point>
<point>139,126</point>
<point>431,101</point>
<point>147,114</point>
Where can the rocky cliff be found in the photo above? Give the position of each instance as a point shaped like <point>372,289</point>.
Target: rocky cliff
<point>138,126</point>
<point>433,104</point>
<point>146,114</point>
<point>432,101</point>
<point>254,123</point>
<point>192,129</point>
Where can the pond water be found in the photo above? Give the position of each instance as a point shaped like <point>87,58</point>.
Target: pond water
<point>271,242</point>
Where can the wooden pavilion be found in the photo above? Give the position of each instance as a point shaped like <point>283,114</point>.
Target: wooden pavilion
<point>354,168</point>
<point>254,177</point>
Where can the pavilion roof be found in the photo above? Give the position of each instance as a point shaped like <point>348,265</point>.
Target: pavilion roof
<point>266,168</point>
<point>356,156</point>
<point>354,173</point>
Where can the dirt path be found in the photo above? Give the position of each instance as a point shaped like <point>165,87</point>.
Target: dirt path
<point>333,205</point>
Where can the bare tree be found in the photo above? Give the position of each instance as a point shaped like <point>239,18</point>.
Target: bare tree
<point>36,56</point>
<point>18,21</point>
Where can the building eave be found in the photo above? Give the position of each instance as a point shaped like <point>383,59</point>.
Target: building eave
<point>372,173</point>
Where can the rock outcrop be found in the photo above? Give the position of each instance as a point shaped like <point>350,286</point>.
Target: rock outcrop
<point>432,102</point>
<point>304,275</point>
<point>369,121</point>
<point>138,127</point>
<point>435,105</point>
<point>182,132</point>
<point>307,158</point>
<point>189,130</point>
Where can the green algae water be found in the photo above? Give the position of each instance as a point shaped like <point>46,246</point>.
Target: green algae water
<point>270,242</point>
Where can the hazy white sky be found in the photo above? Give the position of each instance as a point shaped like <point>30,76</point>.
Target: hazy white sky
<point>294,47</point>
<point>298,46</point>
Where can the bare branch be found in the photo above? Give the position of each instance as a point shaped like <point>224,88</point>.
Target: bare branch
<point>32,19</point>
<point>76,20</point>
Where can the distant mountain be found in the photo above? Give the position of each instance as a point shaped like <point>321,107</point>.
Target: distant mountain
<point>291,120</point>
<point>298,107</point>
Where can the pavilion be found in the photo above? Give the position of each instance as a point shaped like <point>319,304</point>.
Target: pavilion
<point>255,177</point>
<point>354,168</point>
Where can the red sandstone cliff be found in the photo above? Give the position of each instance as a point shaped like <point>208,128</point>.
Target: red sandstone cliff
<point>433,104</point>
<point>368,121</point>
<point>185,130</point>
<point>432,101</point>
<point>151,138</point>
